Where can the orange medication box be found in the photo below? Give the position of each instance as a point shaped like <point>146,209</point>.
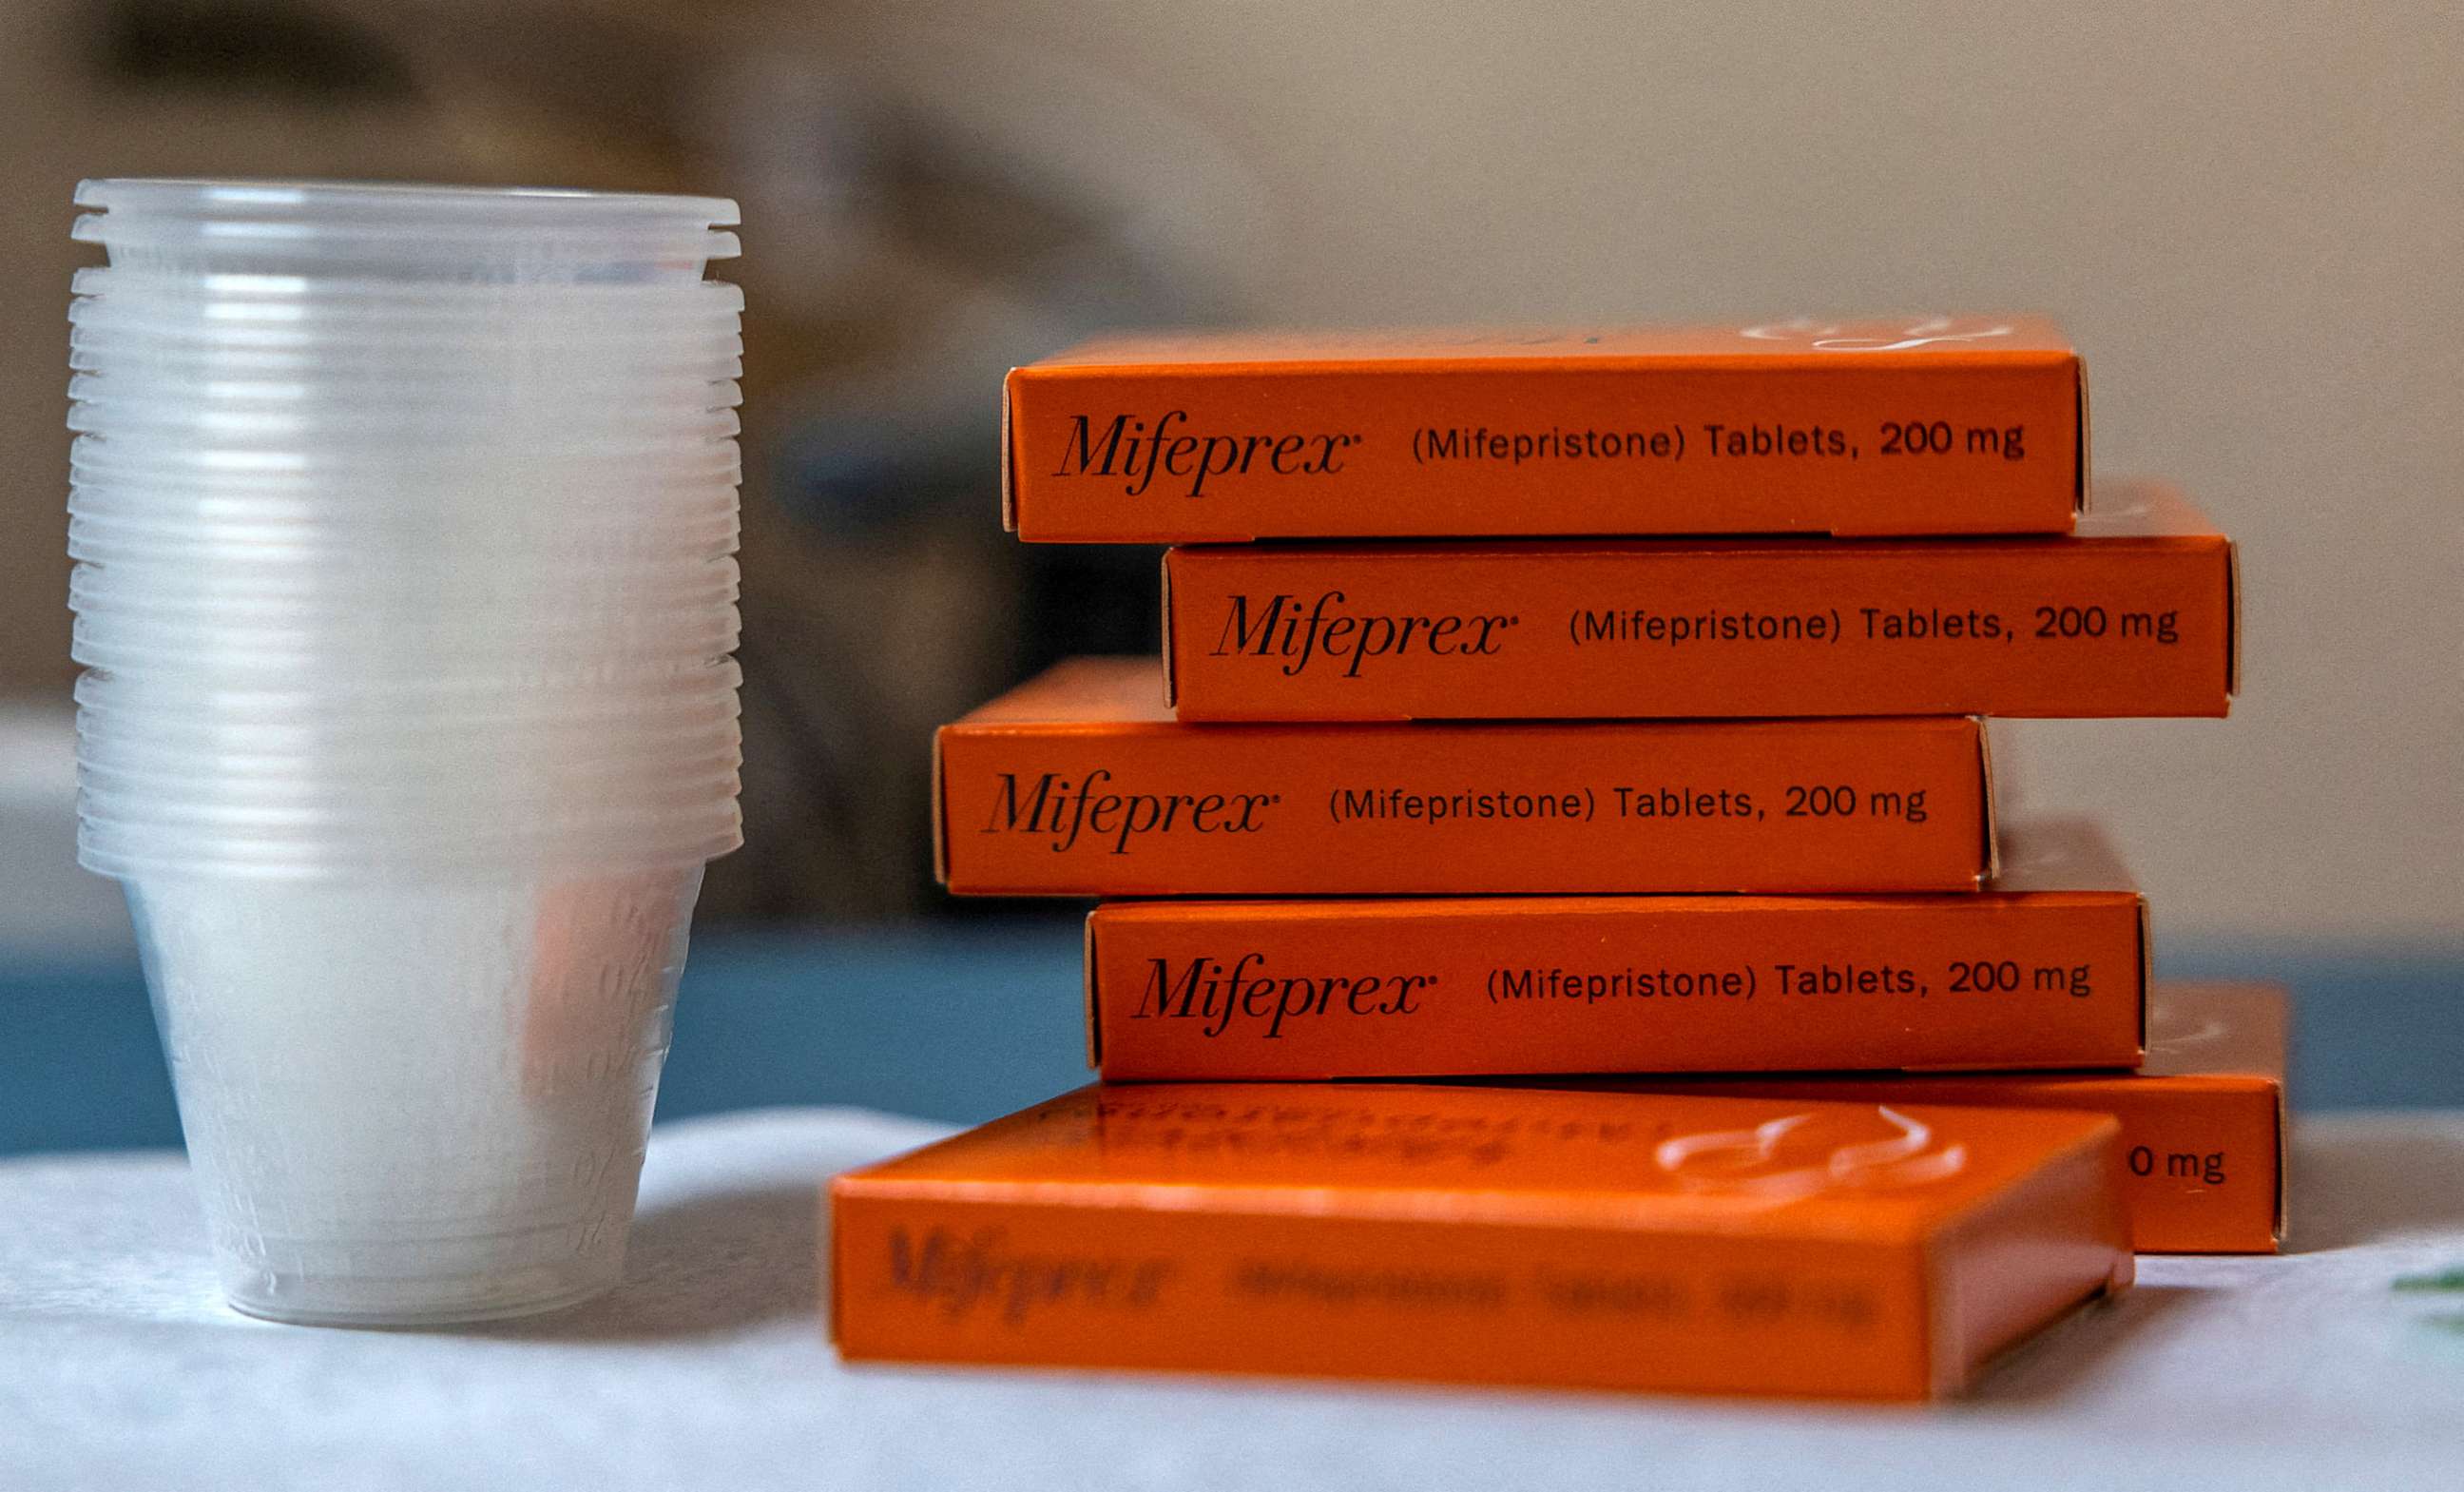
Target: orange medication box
<point>2047,968</point>
<point>2132,616</point>
<point>2203,1129</point>
<point>1919,425</point>
<point>1483,1235</point>
<point>1079,783</point>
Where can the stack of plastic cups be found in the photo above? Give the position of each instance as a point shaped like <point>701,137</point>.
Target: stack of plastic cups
<point>405,522</point>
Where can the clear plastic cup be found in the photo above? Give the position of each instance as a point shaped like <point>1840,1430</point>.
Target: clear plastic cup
<point>392,830</point>
<point>468,786</point>
<point>381,369</point>
<point>513,354</point>
<point>113,843</point>
<point>371,670</point>
<point>411,209</point>
<point>123,851</point>
<point>439,482</point>
<point>281,554</point>
<point>466,649</point>
<point>560,596</point>
<point>401,503</point>
<point>652,334</point>
<point>705,531</point>
<point>406,497</point>
<point>99,349</point>
<point>156,739</point>
<point>241,758</point>
<point>310,299</point>
<point>524,588</point>
<point>414,1099</point>
<point>452,392</point>
<point>479,642</point>
<point>445,476</point>
<point>350,708</point>
<point>455,397</point>
<point>484,341</point>
<point>410,705</point>
<point>542,429</point>
<point>123,838</point>
<point>137,755</point>
<point>613,463</point>
<point>417,317</point>
<point>400,500</point>
<point>134,757</point>
<point>540,804</point>
<point>169,748</point>
<point>235,664</point>
<point>639,773</point>
<point>683,319</point>
<point>475,646</point>
<point>612,845</point>
<point>186,292</point>
<point>494,770</point>
<point>384,574</point>
<point>417,232</point>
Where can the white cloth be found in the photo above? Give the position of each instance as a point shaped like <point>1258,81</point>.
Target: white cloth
<point>121,1370</point>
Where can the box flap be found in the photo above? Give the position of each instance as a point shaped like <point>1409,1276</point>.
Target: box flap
<point>2232,619</point>
<point>1171,677</point>
<point>1095,1010</point>
<point>2083,474</point>
<point>940,814</point>
<point>1992,858</point>
<point>2148,977</point>
<point>2283,1123</point>
<point>833,1308</point>
<point>1008,457</point>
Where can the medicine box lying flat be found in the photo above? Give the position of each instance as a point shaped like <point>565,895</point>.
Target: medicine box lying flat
<point>2047,968</point>
<point>1079,783</point>
<point>2203,1127</point>
<point>1504,1236</point>
<point>1919,425</point>
<point>2133,616</point>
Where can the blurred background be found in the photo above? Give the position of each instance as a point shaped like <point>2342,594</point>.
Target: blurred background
<point>2248,218</point>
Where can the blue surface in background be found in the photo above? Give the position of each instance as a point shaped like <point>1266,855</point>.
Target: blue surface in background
<point>965,1021</point>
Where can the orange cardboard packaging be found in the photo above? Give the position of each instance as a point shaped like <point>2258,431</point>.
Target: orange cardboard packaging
<point>2133,616</point>
<point>1921,425</point>
<point>2203,1128</point>
<point>2046,968</point>
<point>1459,1234</point>
<point>1079,783</point>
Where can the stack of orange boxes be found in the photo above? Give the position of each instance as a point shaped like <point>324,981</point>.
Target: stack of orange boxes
<point>1574,744</point>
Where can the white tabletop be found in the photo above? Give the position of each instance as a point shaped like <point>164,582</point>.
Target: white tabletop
<point>120,1369</point>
